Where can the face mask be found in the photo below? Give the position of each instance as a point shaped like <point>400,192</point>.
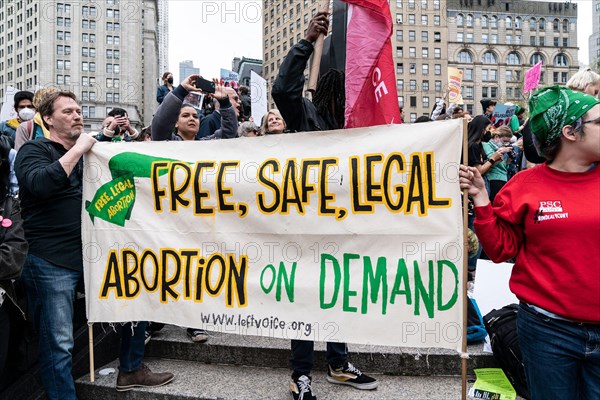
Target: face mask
<point>26,114</point>
<point>170,80</point>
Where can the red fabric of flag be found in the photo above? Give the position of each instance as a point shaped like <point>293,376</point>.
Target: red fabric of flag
<point>371,96</point>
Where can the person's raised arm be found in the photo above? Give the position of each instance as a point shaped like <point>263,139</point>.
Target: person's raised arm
<point>496,227</point>
<point>289,83</point>
<point>165,117</point>
<point>229,123</point>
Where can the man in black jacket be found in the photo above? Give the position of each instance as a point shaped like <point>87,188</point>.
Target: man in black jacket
<point>50,174</point>
<point>325,112</point>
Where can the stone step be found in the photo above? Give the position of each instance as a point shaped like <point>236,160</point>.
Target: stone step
<point>172,342</point>
<point>199,381</point>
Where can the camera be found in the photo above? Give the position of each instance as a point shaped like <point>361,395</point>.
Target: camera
<point>511,154</point>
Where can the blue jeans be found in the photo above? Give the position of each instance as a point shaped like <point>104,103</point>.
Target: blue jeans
<point>562,359</point>
<point>303,354</point>
<point>51,292</point>
<point>132,346</point>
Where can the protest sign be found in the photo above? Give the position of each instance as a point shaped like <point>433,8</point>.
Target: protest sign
<point>502,115</point>
<point>258,96</point>
<point>532,77</point>
<point>455,76</point>
<point>351,235</point>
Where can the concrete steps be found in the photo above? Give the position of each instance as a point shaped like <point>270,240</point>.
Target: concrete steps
<point>172,342</point>
<point>231,366</point>
<point>198,381</point>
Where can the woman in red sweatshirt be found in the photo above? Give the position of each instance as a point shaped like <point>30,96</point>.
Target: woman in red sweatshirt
<point>548,217</point>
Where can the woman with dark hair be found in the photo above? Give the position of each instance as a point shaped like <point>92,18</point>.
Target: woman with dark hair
<point>166,87</point>
<point>13,246</point>
<point>548,217</point>
<point>477,129</point>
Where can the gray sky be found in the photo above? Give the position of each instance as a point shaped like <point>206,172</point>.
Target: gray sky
<point>212,33</point>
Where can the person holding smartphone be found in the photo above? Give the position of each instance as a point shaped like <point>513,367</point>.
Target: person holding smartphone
<point>176,120</point>
<point>116,127</point>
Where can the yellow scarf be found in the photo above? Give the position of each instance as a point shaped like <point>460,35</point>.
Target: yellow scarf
<point>38,120</point>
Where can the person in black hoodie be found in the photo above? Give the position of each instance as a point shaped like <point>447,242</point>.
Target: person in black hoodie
<point>325,112</point>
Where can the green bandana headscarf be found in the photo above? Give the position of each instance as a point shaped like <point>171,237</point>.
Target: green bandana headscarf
<point>554,107</point>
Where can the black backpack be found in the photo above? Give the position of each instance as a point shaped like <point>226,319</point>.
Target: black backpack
<point>501,325</point>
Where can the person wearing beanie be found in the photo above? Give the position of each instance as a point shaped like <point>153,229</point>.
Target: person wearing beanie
<point>548,217</point>
<point>488,106</point>
<point>25,112</point>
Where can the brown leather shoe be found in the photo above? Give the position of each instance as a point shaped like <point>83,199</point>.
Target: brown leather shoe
<point>143,377</point>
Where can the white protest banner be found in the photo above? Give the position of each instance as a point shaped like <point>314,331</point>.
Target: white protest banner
<point>352,235</point>
<point>258,96</point>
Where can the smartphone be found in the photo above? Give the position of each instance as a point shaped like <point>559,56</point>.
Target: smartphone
<point>205,85</point>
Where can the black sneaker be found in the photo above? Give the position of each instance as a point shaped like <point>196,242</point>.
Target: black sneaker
<point>301,389</point>
<point>197,335</point>
<point>147,337</point>
<point>351,376</point>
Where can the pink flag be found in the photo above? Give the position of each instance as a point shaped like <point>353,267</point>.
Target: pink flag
<point>532,77</point>
<point>371,96</point>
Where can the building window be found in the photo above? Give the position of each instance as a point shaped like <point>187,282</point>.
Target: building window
<point>467,92</point>
<point>399,35</point>
<point>565,42</point>
<point>513,58</point>
<point>464,57</point>
<point>469,38</point>
<point>460,20</point>
<point>424,20</point>
<point>425,101</point>
<point>400,68</point>
<point>485,38</point>
<point>561,60</point>
<point>425,52</point>
<point>412,36</point>
<point>518,23</point>
<point>508,22</point>
<point>469,20</point>
<point>437,52</point>
<point>413,68</point>
<point>425,86</point>
<point>484,21</point>
<point>425,69</point>
<point>536,58</point>
<point>467,74</point>
<point>565,24</point>
<point>556,25</point>
<point>542,24</point>
<point>424,36</point>
<point>400,84</point>
<point>399,52</point>
<point>437,68</point>
<point>489,58</point>
<point>436,20</point>
<point>460,37</point>
<point>413,85</point>
<point>411,19</point>
<point>494,22</point>
<point>532,24</point>
<point>412,52</point>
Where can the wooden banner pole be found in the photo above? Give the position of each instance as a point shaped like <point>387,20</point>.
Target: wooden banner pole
<point>464,355</point>
<point>315,62</point>
<point>91,343</point>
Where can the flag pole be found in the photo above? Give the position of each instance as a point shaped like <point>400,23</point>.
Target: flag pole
<point>315,62</point>
<point>91,343</point>
<point>464,354</point>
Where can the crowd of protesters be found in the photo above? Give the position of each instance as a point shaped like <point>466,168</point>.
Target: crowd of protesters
<point>557,260</point>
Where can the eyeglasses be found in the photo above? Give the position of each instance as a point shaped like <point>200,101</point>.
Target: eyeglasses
<point>580,123</point>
